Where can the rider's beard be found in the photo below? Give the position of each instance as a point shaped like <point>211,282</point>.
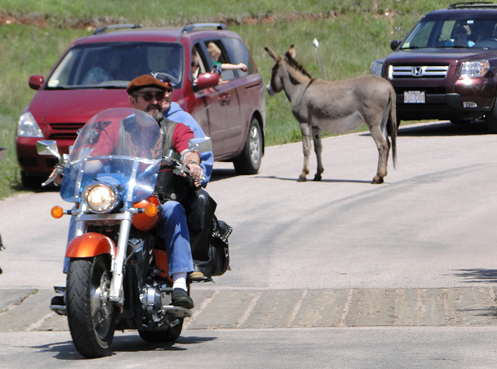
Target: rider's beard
<point>155,112</point>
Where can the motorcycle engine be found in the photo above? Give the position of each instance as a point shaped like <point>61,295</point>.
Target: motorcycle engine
<point>151,299</point>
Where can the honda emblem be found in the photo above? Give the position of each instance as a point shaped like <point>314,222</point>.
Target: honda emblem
<point>417,71</point>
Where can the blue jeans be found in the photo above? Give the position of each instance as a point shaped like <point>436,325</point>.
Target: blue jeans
<point>172,230</point>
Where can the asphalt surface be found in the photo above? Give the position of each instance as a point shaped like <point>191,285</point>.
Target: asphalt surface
<point>338,273</point>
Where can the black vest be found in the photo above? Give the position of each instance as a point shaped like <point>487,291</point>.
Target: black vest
<point>169,185</point>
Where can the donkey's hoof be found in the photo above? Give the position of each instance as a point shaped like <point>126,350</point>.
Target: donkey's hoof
<point>377,180</point>
<point>317,178</point>
<point>302,179</point>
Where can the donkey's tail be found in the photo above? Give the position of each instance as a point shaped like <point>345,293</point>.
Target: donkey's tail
<point>392,123</point>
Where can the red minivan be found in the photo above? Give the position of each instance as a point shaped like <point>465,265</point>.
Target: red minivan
<point>93,73</point>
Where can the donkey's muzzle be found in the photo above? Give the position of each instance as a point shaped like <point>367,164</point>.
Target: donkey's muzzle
<point>270,89</point>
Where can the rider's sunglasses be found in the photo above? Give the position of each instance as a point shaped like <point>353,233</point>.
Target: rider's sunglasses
<point>148,96</point>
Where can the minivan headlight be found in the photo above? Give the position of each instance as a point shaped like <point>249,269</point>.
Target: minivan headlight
<point>27,126</point>
<point>376,68</point>
<point>100,198</point>
<point>475,68</point>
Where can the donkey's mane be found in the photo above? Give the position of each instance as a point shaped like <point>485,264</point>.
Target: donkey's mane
<point>293,63</point>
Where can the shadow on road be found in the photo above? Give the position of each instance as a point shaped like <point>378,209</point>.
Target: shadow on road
<point>322,180</point>
<point>476,128</point>
<point>478,275</point>
<point>442,128</point>
<point>128,343</point>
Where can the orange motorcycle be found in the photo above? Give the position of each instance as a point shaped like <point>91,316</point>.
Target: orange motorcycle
<point>118,275</point>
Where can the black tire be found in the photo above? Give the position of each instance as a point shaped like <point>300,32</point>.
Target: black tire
<point>249,161</point>
<point>491,119</point>
<point>32,182</point>
<point>171,335</point>
<point>90,315</point>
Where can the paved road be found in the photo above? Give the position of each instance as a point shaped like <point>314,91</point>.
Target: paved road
<point>318,258</point>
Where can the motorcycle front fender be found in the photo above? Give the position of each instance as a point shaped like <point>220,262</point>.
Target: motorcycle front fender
<point>89,245</point>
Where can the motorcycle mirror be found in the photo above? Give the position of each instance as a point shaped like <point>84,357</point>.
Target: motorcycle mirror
<point>200,144</point>
<point>47,147</point>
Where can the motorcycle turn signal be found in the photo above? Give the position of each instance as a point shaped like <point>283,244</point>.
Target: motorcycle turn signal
<point>151,210</point>
<point>57,212</point>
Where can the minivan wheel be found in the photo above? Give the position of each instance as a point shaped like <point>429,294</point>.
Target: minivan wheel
<point>249,161</point>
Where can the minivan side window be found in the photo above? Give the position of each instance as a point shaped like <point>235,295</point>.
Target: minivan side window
<point>228,75</point>
<point>240,55</point>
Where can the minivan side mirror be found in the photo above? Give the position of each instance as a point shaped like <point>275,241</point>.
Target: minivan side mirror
<point>35,82</point>
<point>395,44</point>
<point>207,80</point>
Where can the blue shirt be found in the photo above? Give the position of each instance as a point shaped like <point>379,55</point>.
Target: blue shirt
<point>178,115</point>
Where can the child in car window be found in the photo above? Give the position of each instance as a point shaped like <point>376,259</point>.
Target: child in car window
<point>215,53</point>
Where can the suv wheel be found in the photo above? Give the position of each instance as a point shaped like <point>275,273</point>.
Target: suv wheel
<point>491,119</point>
<point>249,161</point>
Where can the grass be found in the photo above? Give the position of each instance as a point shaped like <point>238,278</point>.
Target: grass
<point>351,33</point>
<point>209,10</point>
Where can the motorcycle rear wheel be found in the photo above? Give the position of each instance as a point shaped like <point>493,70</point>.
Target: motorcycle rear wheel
<point>171,335</point>
<point>90,314</point>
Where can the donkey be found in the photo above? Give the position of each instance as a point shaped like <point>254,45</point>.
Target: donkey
<point>336,107</point>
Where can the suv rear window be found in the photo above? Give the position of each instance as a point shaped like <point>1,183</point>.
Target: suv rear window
<point>115,65</point>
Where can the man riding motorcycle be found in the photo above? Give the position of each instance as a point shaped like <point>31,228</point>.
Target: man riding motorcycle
<point>146,93</point>
<point>199,206</point>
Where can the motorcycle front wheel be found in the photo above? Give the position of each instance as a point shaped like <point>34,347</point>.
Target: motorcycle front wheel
<point>170,335</point>
<point>90,314</point>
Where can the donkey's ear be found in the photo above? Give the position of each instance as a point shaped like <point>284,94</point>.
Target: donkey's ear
<point>292,52</point>
<point>272,54</point>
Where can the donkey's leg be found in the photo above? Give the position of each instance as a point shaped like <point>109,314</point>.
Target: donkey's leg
<point>306,147</point>
<point>318,149</point>
<point>382,145</point>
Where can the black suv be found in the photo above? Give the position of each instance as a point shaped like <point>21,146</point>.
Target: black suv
<point>445,68</point>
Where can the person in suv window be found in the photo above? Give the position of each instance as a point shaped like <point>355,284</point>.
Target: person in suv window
<point>460,37</point>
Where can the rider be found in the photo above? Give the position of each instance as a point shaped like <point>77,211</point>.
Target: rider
<point>199,206</point>
<point>146,93</point>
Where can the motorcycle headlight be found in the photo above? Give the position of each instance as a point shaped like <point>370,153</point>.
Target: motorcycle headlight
<point>100,198</point>
<point>475,68</point>
<point>27,126</point>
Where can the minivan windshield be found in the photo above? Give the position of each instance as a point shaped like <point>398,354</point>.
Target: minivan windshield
<point>114,65</point>
<point>453,33</point>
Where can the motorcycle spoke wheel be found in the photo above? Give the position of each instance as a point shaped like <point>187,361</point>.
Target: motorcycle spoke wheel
<point>90,314</point>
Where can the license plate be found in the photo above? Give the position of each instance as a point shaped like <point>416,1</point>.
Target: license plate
<point>414,97</point>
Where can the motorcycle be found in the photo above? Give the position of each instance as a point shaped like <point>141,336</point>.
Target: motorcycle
<point>118,274</point>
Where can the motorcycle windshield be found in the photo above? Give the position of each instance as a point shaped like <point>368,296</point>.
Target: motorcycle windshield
<point>121,147</point>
